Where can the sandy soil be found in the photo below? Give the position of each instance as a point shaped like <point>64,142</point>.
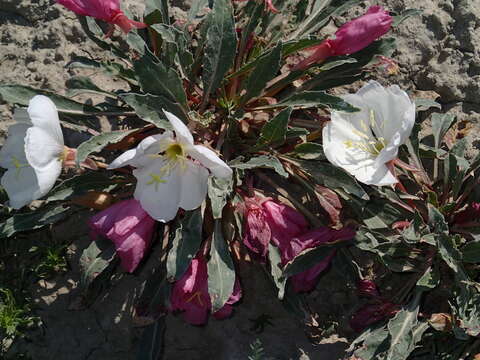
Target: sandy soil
<point>438,51</point>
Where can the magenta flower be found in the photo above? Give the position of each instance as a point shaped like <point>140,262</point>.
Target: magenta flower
<point>106,10</point>
<point>267,220</point>
<point>471,215</point>
<point>190,295</point>
<point>352,36</point>
<point>367,288</point>
<point>371,313</point>
<point>307,280</point>
<point>129,227</point>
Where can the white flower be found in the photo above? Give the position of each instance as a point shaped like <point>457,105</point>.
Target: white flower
<point>363,142</point>
<point>33,152</point>
<point>171,171</point>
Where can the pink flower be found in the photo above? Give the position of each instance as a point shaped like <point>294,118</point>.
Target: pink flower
<point>190,294</point>
<point>106,10</point>
<point>371,313</point>
<point>306,280</point>
<point>367,288</point>
<point>267,220</point>
<point>470,215</point>
<point>129,227</point>
<point>352,36</point>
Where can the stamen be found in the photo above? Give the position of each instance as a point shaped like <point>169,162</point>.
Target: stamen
<point>156,180</point>
<point>18,166</point>
<point>197,296</point>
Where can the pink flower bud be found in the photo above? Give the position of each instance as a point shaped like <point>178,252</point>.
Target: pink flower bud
<point>190,294</point>
<point>106,10</point>
<point>361,32</point>
<point>129,227</point>
<point>351,37</point>
<point>307,280</point>
<point>257,233</point>
<point>371,313</point>
<point>367,288</point>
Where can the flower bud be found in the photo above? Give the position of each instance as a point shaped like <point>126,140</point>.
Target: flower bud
<point>371,313</point>
<point>367,288</point>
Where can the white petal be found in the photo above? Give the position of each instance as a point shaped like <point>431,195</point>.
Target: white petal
<point>20,115</point>
<point>159,200</point>
<point>43,114</point>
<point>182,133</point>
<point>335,134</point>
<point>46,177</point>
<point>194,186</point>
<point>21,186</point>
<point>374,174</point>
<point>41,148</point>
<point>13,151</point>
<point>137,157</point>
<point>210,160</point>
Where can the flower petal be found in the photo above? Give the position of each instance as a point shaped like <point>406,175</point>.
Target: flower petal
<point>46,177</point>
<point>43,114</point>
<point>373,174</point>
<point>21,186</point>
<point>210,160</point>
<point>12,153</point>
<point>41,148</point>
<point>182,133</point>
<point>158,194</point>
<point>136,157</point>
<point>194,186</point>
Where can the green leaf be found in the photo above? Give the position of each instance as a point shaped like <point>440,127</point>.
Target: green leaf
<point>276,270</point>
<point>18,94</point>
<point>152,341</point>
<point>436,220</point>
<point>110,68</point>
<point>220,46</point>
<point>218,192</point>
<point>149,108</point>
<point>81,184</point>
<point>309,151</point>
<point>310,257</point>
<point>471,252</point>
<point>263,161</point>
<point>33,220</point>
<point>158,79</point>
<point>94,260</point>
<point>97,143</point>
<point>82,84</point>
<point>332,177</point>
<point>397,20</point>
<point>440,125</point>
<point>425,104</point>
<point>221,272</point>
<point>274,132</point>
<point>429,280</point>
<point>196,8</point>
<point>308,99</point>
<point>186,242</point>
<point>156,11</point>
<point>401,329</point>
<point>264,71</point>
<point>292,46</point>
<point>136,42</point>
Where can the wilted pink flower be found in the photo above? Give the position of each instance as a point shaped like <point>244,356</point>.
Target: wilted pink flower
<point>129,227</point>
<point>371,313</point>
<point>106,10</point>
<point>352,36</point>
<point>306,280</point>
<point>190,294</point>
<point>267,220</point>
<point>367,288</point>
<point>470,214</point>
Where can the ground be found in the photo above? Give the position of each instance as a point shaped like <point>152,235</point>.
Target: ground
<point>438,56</point>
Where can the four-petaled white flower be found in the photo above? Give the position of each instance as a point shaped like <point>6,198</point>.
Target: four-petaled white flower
<point>33,152</point>
<point>363,142</point>
<point>171,171</point>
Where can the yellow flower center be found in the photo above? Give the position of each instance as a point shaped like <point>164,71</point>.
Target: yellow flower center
<point>175,151</point>
<point>370,145</point>
<point>174,154</point>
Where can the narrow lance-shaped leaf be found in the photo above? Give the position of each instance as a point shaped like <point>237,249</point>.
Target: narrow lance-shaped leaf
<point>276,271</point>
<point>263,161</point>
<point>186,242</point>
<point>218,191</point>
<point>97,143</point>
<point>274,132</point>
<point>221,272</point>
<point>220,46</point>
<point>308,99</point>
<point>94,260</point>
<point>440,125</point>
<point>265,71</point>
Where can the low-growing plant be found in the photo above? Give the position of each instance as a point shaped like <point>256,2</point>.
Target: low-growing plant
<point>232,143</point>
